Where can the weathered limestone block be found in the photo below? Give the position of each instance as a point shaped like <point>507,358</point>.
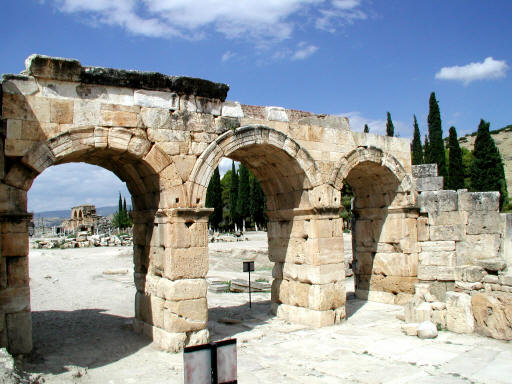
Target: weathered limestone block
<point>429,183</point>
<point>494,264</point>
<point>184,289</point>
<point>423,229</point>
<point>156,99</point>
<point>232,109</point>
<point>276,114</point>
<point>318,297</point>
<point>470,273</point>
<point>53,68</point>
<point>436,246</point>
<point>395,264</point>
<point>437,201</point>
<point>493,314</point>
<point>446,232</point>
<point>427,330</point>
<point>14,300</point>
<point>21,85</point>
<point>459,315</point>
<point>186,263</point>
<point>439,318</point>
<point>475,247</point>
<point>86,112</point>
<point>305,316</point>
<point>14,244</point>
<point>19,330</point>
<point>438,258</point>
<point>17,271</point>
<point>209,106</point>
<point>424,170</point>
<point>447,218</point>
<point>483,222</point>
<point>468,286</point>
<point>391,284</point>
<point>479,201</point>
<point>314,274</point>
<point>61,111</point>
<point>435,272</point>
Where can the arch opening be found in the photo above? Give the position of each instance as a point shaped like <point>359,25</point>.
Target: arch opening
<point>383,234</point>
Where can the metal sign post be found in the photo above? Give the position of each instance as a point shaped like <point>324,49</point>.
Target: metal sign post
<point>248,267</point>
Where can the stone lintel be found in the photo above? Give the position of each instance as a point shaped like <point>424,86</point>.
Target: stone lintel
<point>58,68</point>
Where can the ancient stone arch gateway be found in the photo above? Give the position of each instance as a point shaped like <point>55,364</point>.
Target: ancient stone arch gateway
<point>164,136</point>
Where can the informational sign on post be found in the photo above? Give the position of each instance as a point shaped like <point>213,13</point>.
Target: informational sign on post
<point>213,363</point>
<point>249,267</point>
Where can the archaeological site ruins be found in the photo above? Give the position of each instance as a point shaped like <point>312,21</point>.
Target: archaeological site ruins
<point>442,254</point>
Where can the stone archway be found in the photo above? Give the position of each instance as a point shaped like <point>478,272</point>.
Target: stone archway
<point>385,254</point>
<point>150,176</point>
<point>308,273</point>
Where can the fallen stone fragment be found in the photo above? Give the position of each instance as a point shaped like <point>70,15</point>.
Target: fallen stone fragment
<point>427,330</point>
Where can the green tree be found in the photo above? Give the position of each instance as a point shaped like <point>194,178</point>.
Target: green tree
<point>233,196</point>
<point>214,200</point>
<point>390,128</point>
<point>467,162</point>
<point>417,149</point>
<point>243,207</point>
<point>258,203</point>
<point>487,173</point>
<point>121,218</point>
<point>366,129</point>
<point>435,137</point>
<point>426,151</point>
<point>455,169</point>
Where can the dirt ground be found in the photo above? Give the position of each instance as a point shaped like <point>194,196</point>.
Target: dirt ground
<point>83,305</point>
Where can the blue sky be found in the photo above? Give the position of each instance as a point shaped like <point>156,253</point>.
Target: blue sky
<point>352,57</point>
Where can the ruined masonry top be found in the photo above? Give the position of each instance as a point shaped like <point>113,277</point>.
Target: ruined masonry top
<point>57,68</point>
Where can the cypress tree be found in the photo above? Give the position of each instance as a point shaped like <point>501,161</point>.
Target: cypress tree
<point>233,195</point>
<point>120,204</point>
<point>435,137</point>
<point>243,208</point>
<point>417,150</point>
<point>366,129</point>
<point>214,200</point>
<point>124,206</point>
<point>390,128</point>
<point>455,169</point>
<point>426,151</point>
<point>487,173</point>
<point>257,202</point>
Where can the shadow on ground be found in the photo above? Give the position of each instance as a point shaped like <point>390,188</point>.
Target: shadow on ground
<point>84,338</point>
<point>225,322</point>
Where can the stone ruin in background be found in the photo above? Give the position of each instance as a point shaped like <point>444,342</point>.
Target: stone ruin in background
<point>442,254</point>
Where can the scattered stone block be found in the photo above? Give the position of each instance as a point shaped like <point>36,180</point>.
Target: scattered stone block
<point>493,314</point>
<point>427,330</point>
<point>459,315</point>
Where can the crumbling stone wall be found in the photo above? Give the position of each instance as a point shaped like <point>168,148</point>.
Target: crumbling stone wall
<point>83,217</point>
<point>464,283</point>
<point>164,136</point>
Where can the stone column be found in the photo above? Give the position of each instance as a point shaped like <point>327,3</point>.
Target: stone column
<point>309,274</point>
<point>15,316</point>
<point>170,304</point>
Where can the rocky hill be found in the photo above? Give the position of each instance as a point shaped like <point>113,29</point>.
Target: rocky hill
<point>503,139</point>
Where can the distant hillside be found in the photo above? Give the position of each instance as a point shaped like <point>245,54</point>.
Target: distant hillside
<point>64,214</point>
<point>503,139</point>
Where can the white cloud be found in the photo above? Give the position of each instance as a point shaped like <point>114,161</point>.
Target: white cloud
<point>227,56</point>
<point>262,22</point>
<point>488,69</point>
<point>303,51</point>
<point>377,126</point>
<point>68,185</point>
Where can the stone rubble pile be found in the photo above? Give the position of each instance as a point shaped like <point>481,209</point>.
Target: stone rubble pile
<point>84,240</point>
<point>464,284</point>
